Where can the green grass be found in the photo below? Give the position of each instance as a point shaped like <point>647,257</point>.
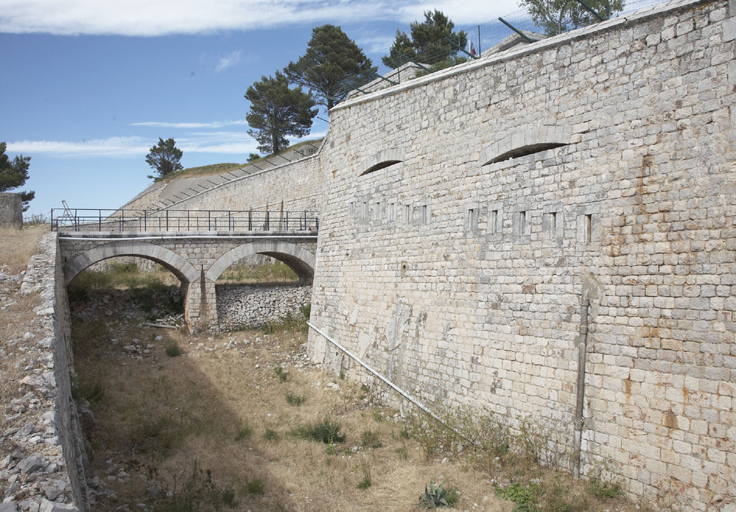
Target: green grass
<point>294,399</point>
<point>271,435</point>
<point>173,350</point>
<point>601,489</point>
<point>326,431</point>
<point>254,487</point>
<point>244,432</point>
<point>281,374</point>
<point>371,439</point>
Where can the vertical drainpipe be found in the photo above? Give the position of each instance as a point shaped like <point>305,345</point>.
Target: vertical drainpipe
<point>580,404</point>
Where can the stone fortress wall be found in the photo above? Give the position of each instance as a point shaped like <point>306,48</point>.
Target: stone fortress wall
<point>298,185</point>
<point>469,218</point>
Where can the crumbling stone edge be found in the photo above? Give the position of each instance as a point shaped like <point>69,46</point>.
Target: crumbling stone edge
<point>44,276</point>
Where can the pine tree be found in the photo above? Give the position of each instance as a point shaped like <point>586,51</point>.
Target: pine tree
<point>14,174</point>
<point>331,57</point>
<point>164,157</point>
<point>277,111</point>
<point>432,41</point>
<point>558,16</point>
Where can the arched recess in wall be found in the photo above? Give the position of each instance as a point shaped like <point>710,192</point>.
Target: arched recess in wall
<point>525,142</point>
<point>298,259</point>
<point>180,267</point>
<point>380,160</point>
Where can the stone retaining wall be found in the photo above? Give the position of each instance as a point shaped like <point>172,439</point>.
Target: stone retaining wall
<point>47,469</point>
<point>252,306</point>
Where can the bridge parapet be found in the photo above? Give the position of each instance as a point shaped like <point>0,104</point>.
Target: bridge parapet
<point>227,221</point>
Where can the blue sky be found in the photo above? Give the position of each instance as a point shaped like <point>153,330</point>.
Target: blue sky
<point>90,85</point>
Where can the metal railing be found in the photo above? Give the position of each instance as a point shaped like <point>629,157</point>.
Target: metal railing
<point>87,219</point>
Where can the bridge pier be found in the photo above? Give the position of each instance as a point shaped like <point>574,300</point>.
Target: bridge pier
<point>200,304</point>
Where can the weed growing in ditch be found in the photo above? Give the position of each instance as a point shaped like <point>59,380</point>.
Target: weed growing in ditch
<point>253,487</point>
<point>294,399</point>
<point>281,374</point>
<point>173,350</point>
<point>271,435</point>
<point>371,439</point>
<point>366,482</point>
<point>601,489</point>
<point>244,432</point>
<point>326,431</point>
<point>197,493</point>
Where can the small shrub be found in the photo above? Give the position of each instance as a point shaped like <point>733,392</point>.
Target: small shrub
<point>271,435</point>
<point>330,450</point>
<point>404,434</point>
<point>294,399</point>
<point>281,374</point>
<point>437,496</point>
<point>173,350</point>
<point>366,482</point>
<point>601,489</point>
<point>371,439</point>
<point>228,497</point>
<point>326,431</point>
<point>253,487</point>
<point>244,432</point>
<point>378,416</point>
<point>402,453</point>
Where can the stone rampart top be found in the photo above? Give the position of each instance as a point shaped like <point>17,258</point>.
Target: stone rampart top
<point>517,51</point>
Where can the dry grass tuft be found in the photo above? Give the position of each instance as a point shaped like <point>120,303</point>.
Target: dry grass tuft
<point>18,245</point>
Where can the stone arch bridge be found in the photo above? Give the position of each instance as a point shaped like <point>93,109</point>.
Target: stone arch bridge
<point>197,258</point>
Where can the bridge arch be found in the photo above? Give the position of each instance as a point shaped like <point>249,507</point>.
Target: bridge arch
<point>178,265</point>
<point>301,261</point>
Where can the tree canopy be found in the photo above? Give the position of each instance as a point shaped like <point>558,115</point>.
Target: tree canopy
<point>164,157</point>
<point>331,57</point>
<point>431,41</point>
<point>14,174</point>
<point>558,16</point>
<point>277,111</point>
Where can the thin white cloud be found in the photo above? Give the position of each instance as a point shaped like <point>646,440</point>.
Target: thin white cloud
<point>461,12</point>
<point>165,17</point>
<point>214,124</point>
<point>228,61</point>
<point>113,146</point>
<point>222,142</point>
<point>376,44</point>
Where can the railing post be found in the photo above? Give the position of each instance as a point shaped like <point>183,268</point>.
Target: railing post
<point>145,220</point>
<point>287,221</point>
<point>268,218</point>
<point>250,220</point>
<point>52,219</point>
<point>189,228</point>
<point>229,227</point>
<point>209,220</point>
<point>167,220</point>
<point>99,221</point>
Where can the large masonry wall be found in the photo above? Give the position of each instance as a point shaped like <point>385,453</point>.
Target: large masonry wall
<point>592,168</point>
